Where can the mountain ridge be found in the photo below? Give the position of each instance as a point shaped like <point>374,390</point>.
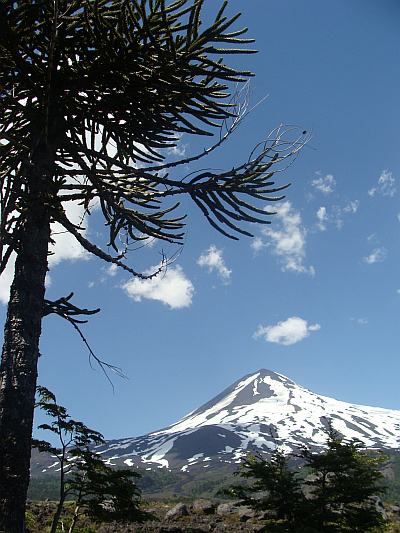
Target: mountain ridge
<point>257,412</point>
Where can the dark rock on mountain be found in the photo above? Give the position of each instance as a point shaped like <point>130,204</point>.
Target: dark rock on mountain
<point>255,413</point>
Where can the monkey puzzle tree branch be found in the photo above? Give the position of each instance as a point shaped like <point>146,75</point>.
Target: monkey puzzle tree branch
<point>91,90</point>
<point>95,250</point>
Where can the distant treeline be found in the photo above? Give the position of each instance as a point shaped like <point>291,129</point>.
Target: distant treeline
<point>392,474</point>
<point>47,487</point>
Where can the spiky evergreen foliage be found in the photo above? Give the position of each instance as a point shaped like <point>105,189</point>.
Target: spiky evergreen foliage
<point>341,482</point>
<point>274,486</point>
<point>106,494</point>
<point>70,434</point>
<point>101,86</point>
<point>335,495</point>
<point>91,90</point>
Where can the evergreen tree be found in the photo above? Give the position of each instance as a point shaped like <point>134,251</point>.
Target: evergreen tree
<point>342,481</point>
<point>91,90</point>
<point>274,488</point>
<point>334,497</point>
<point>105,493</point>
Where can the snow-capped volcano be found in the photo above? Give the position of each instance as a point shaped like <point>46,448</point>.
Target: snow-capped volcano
<point>255,413</point>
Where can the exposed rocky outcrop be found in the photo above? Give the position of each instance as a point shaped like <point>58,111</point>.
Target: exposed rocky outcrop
<point>201,516</point>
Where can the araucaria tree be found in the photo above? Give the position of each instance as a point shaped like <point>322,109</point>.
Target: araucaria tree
<point>92,91</point>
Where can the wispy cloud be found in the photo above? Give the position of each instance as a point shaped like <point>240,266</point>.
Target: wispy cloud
<point>257,244</point>
<point>377,256</point>
<point>112,270</point>
<point>336,216</point>
<point>322,218</point>
<point>386,185</point>
<point>290,331</point>
<point>360,321</point>
<point>213,259</point>
<point>171,288</point>
<point>180,149</point>
<point>286,237</point>
<point>373,238</point>
<point>351,206</point>
<point>325,184</point>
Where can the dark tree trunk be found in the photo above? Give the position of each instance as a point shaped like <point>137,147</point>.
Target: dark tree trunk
<point>60,505</point>
<point>18,371</point>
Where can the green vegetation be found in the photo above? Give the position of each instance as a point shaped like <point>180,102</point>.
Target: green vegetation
<point>102,493</point>
<point>278,486</point>
<point>47,486</point>
<point>40,516</point>
<point>335,495</point>
<point>161,484</point>
<point>392,476</point>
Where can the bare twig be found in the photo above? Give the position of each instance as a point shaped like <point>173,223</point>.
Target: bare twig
<point>63,308</point>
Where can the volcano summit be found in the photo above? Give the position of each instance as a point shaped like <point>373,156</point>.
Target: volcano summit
<point>255,413</point>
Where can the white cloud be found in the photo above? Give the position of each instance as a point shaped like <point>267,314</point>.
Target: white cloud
<point>386,185</point>
<point>6,280</point>
<point>377,256</point>
<point>292,330</point>
<point>351,207</point>
<point>65,246</point>
<point>287,241</point>
<point>212,259</point>
<point>180,149</point>
<point>170,287</point>
<point>326,184</point>
<point>322,218</point>
<point>112,270</point>
<point>372,238</point>
<point>359,320</point>
<point>257,244</point>
<point>336,216</point>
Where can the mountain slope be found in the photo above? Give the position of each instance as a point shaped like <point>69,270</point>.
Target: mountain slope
<point>257,412</point>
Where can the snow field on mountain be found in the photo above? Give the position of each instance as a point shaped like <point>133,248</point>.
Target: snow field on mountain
<point>259,411</point>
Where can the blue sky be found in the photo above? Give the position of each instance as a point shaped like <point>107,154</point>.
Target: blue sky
<point>314,296</point>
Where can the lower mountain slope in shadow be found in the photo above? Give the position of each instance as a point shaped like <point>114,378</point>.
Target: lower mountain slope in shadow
<point>258,412</point>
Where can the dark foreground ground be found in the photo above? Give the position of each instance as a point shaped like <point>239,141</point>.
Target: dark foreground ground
<point>197,517</point>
